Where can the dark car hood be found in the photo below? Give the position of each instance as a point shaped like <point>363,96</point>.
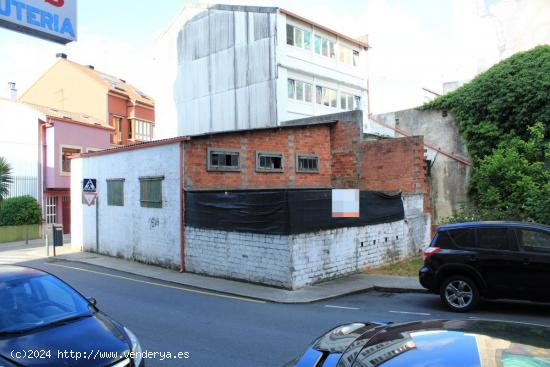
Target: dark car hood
<point>460,343</point>
<point>93,336</point>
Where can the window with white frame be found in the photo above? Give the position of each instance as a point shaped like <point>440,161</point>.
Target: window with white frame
<point>51,209</point>
<point>326,96</point>
<point>66,153</point>
<point>346,101</point>
<point>142,130</point>
<point>357,103</point>
<point>348,56</point>
<point>324,47</point>
<point>298,37</point>
<point>299,90</point>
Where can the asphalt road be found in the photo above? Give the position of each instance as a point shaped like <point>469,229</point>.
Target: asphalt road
<point>218,330</point>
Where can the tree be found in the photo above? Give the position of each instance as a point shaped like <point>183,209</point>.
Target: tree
<point>5,178</point>
<point>496,114</point>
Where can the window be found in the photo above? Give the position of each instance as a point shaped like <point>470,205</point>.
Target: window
<point>324,47</point>
<point>223,160</point>
<point>326,96</point>
<point>346,101</point>
<point>299,90</point>
<point>51,209</point>
<point>143,130</point>
<point>492,239</point>
<point>66,153</point>
<point>269,162</point>
<point>355,58</point>
<point>534,241</point>
<point>117,124</point>
<point>357,103</point>
<point>150,192</point>
<point>347,56</point>
<point>115,192</point>
<point>307,163</point>
<point>463,237</point>
<point>298,37</point>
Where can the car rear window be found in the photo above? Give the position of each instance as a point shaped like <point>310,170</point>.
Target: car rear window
<point>533,241</point>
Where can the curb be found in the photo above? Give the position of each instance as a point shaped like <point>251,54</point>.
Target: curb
<point>271,300</point>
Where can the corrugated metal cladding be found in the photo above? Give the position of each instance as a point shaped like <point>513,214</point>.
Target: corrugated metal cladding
<point>226,71</point>
<point>23,185</point>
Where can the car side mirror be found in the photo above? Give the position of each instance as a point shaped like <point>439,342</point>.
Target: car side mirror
<point>92,301</point>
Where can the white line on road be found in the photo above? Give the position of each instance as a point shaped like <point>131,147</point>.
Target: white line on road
<point>342,307</point>
<point>411,313</point>
<point>161,285</point>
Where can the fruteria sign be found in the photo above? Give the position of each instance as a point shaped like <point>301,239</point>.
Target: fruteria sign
<point>53,20</point>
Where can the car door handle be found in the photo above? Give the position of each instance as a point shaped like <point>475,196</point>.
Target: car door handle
<point>526,261</point>
<point>473,258</point>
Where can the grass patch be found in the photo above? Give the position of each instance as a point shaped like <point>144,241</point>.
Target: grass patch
<point>406,268</point>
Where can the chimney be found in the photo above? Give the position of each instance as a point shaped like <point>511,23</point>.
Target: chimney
<point>13,91</point>
<point>61,55</point>
<point>90,67</point>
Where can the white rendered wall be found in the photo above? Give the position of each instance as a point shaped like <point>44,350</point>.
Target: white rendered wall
<point>19,145</point>
<point>150,235</point>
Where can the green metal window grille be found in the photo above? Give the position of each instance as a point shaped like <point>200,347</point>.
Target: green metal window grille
<point>150,195</point>
<point>115,192</point>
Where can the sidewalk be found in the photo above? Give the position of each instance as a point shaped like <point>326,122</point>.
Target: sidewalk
<point>347,285</point>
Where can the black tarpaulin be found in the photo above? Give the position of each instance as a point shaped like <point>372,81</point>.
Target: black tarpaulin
<point>284,212</point>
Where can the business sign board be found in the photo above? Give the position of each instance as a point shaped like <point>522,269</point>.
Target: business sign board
<point>53,20</point>
<point>345,203</point>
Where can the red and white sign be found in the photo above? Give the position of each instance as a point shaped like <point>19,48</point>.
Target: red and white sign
<point>89,197</point>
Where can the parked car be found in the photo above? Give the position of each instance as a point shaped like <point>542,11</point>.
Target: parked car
<point>45,322</point>
<point>446,343</point>
<point>469,261</point>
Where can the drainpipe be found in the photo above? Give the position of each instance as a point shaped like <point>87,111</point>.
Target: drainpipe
<point>182,213</point>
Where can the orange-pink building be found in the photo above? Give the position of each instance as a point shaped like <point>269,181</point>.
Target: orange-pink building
<point>73,87</point>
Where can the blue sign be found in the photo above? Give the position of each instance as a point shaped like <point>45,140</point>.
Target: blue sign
<point>89,185</point>
<point>54,20</point>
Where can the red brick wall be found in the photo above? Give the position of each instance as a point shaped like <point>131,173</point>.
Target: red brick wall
<point>395,165</point>
<point>288,141</point>
<point>345,145</point>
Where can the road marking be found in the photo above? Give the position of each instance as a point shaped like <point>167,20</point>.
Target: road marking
<point>342,307</point>
<point>411,313</point>
<point>162,285</point>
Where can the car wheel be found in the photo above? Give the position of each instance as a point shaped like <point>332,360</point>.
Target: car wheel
<point>459,293</point>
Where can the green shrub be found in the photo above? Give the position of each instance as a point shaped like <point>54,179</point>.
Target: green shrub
<point>20,210</point>
<point>504,116</point>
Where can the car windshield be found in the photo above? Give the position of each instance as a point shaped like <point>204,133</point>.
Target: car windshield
<point>38,301</point>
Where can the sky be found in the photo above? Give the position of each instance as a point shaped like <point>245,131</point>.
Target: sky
<point>416,44</point>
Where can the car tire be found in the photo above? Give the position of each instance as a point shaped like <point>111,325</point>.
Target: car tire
<point>459,293</point>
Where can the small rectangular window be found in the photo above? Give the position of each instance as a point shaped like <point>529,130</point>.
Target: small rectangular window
<point>150,192</point>
<point>492,239</point>
<point>291,88</point>
<point>299,90</point>
<point>66,153</point>
<point>307,163</point>
<point>355,58</point>
<point>326,96</point>
<point>115,192</point>
<point>289,35</point>
<point>357,102</point>
<point>269,162</point>
<point>223,160</point>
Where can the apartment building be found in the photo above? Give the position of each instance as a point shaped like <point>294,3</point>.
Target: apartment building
<point>242,67</point>
<point>76,88</point>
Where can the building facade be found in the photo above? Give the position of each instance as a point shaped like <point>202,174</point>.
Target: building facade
<point>38,143</point>
<point>69,86</point>
<point>242,67</point>
<point>255,204</point>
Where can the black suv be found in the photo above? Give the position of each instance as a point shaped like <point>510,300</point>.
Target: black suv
<point>466,261</point>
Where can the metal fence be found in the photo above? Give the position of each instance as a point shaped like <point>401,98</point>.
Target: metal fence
<point>23,185</point>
